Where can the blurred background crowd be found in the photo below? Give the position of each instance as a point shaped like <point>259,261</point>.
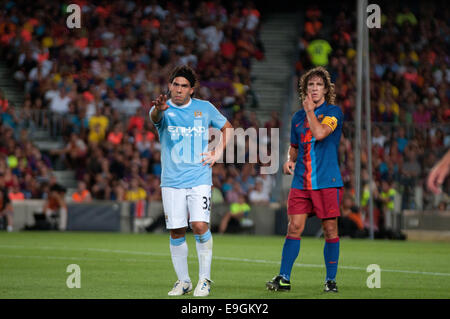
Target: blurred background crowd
<point>98,82</point>
<point>409,90</point>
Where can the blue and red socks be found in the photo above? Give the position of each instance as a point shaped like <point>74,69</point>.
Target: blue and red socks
<point>331,256</point>
<point>291,249</point>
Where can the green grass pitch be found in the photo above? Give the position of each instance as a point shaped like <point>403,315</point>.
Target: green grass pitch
<point>113,265</point>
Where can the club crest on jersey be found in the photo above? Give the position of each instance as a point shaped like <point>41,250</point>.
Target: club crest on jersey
<point>320,117</point>
<point>197,114</point>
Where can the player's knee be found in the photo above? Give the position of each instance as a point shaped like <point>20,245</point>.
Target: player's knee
<point>199,227</point>
<point>295,228</point>
<point>177,233</point>
<point>330,230</point>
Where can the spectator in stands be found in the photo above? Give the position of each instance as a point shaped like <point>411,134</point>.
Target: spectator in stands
<point>216,193</point>
<point>4,103</point>
<point>318,51</point>
<point>69,75</point>
<point>258,195</point>
<point>154,191</point>
<point>246,179</point>
<point>387,197</point>
<point>115,137</point>
<point>82,194</point>
<point>421,116</point>
<point>6,209</point>
<point>55,206</point>
<point>101,189</point>
<point>351,222</point>
<point>144,141</point>
<point>138,196</point>
<point>406,16</point>
<point>273,122</point>
<point>15,194</point>
<point>377,137</point>
<point>267,181</point>
<point>156,164</point>
<point>9,118</point>
<point>98,123</point>
<point>233,194</point>
<point>130,104</point>
<point>136,121</point>
<point>402,140</point>
<point>59,103</point>
<point>313,25</point>
<point>410,173</point>
<point>74,153</point>
<point>239,211</point>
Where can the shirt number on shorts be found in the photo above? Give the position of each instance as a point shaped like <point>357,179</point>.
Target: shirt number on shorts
<point>206,203</point>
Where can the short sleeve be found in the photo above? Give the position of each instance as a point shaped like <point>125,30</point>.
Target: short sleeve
<point>331,121</point>
<point>334,118</point>
<point>217,120</point>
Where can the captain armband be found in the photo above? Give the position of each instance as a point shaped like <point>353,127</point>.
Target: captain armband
<point>331,121</point>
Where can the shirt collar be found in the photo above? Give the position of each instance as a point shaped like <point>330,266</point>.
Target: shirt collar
<point>180,106</point>
<point>322,105</point>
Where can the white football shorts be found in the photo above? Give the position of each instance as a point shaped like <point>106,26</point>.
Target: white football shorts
<point>186,204</point>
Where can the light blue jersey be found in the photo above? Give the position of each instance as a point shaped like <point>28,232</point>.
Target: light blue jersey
<point>183,133</point>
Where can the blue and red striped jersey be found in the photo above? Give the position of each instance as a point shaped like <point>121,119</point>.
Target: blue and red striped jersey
<point>317,164</point>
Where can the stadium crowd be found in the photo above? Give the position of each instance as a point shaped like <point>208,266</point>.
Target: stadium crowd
<point>94,86</point>
<point>409,89</point>
<point>98,83</point>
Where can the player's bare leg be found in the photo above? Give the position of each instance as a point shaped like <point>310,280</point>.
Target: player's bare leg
<point>296,225</point>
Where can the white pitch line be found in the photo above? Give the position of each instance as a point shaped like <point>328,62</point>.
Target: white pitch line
<point>341,267</point>
<point>53,257</point>
<point>261,261</point>
<point>72,258</point>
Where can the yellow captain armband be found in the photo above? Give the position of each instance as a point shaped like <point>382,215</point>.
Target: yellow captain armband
<point>331,121</point>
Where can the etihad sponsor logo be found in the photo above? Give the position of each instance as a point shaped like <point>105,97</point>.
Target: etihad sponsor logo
<point>186,130</point>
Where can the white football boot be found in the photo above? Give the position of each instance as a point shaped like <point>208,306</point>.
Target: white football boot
<point>203,288</point>
<point>180,288</point>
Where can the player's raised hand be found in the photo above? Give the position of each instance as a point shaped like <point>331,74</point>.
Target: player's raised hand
<point>161,103</point>
<point>288,168</point>
<point>308,103</point>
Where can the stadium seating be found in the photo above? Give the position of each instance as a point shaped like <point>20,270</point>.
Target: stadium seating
<point>87,91</point>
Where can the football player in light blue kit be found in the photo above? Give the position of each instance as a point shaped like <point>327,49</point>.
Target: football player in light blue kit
<point>183,126</point>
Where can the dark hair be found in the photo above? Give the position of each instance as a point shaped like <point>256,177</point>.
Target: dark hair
<point>58,188</point>
<point>186,72</point>
<point>320,72</point>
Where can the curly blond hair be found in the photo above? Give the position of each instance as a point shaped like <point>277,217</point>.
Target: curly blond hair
<point>321,72</point>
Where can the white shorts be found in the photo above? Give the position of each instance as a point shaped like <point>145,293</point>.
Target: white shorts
<point>183,204</point>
